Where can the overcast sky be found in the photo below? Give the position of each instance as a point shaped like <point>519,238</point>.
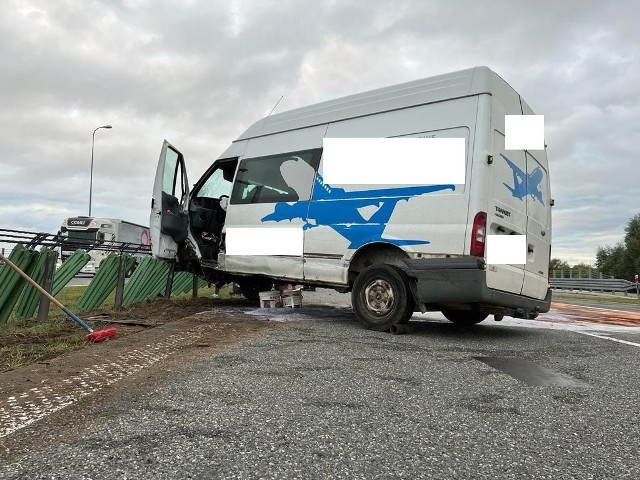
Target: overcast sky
<point>198,73</point>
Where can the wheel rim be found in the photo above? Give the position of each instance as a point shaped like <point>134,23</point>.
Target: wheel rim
<point>379,298</point>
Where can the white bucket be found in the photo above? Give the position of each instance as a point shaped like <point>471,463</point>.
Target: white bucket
<point>292,298</point>
<point>270,299</point>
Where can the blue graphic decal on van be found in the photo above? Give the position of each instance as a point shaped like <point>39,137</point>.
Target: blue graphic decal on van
<point>524,184</point>
<point>340,210</point>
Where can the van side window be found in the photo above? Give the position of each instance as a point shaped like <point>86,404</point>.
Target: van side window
<point>276,178</point>
<point>172,172</point>
<point>219,181</point>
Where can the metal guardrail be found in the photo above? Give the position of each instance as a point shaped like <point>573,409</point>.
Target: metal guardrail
<point>151,278</point>
<point>579,273</point>
<point>31,240</point>
<point>595,284</point>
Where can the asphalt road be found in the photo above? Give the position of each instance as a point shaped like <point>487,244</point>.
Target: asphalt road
<point>324,398</point>
<point>80,281</point>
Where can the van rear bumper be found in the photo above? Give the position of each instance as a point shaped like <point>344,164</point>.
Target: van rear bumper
<point>463,280</point>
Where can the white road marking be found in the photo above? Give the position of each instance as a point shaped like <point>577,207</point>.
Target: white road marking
<point>609,338</point>
<point>18,411</point>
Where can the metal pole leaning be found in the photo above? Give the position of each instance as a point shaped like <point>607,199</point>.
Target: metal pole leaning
<point>93,336</point>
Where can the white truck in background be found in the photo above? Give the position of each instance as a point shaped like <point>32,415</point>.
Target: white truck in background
<point>100,237</point>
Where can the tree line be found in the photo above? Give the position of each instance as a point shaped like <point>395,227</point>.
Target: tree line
<point>623,259</point>
<point>620,261</point>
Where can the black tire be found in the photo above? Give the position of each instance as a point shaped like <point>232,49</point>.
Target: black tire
<point>381,297</point>
<point>251,287</point>
<point>464,317</point>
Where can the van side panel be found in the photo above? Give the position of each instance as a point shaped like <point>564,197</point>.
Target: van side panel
<point>251,215</point>
<point>432,221</point>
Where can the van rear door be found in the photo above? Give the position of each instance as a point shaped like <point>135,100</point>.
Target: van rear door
<point>169,221</point>
<point>536,272</point>
<point>507,210</point>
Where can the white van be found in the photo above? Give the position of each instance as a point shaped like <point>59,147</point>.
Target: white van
<point>424,253</point>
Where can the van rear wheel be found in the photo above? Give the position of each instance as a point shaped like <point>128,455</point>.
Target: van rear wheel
<point>464,317</point>
<point>381,297</point>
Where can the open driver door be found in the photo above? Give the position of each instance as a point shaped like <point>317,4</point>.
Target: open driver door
<point>169,220</point>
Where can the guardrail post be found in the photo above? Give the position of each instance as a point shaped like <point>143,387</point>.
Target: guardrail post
<point>47,284</point>
<point>194,286</point>
<point>638,291</point>
<point>167,291</point>
<point>122,274</point>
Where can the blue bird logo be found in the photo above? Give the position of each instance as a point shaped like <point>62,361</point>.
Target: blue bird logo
<point>340,210</point>
<point>524,184</point>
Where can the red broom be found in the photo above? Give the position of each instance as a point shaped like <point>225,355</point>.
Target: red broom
<point>95,337</point>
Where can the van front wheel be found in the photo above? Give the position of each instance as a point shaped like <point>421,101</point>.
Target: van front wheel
<point>464,317</point>
<point>381,297</point>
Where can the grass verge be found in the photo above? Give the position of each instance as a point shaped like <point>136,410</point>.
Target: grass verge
<point>26,341</point>
<point>630,300</point>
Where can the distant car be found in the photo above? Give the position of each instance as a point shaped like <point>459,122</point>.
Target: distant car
<point>88,269</point>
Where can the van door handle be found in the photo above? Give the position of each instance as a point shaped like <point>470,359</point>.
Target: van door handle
<point>530,248</point>
<point>543,232</point>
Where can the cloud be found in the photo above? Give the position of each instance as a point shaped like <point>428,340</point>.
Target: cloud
<point>198,73</point>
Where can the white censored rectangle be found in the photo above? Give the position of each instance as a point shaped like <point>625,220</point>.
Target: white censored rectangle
<point>264,241</point>
<point>524,132</point>
<point>506,249</point>
<point>404,161</point>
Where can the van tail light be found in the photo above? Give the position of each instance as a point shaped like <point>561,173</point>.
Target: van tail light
<point>479,234</point>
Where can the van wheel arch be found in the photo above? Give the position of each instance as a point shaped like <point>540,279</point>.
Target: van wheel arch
<point>375,254</point>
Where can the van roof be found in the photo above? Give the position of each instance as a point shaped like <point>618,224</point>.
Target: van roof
<point>472,81</point>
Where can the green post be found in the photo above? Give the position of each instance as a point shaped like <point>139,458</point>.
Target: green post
<point>167,291</point>
<point>47,284</point>
<point>122,274</point>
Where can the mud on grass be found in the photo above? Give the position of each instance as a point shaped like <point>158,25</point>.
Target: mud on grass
<point>24,342</point>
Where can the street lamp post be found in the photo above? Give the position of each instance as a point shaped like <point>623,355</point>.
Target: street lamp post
<point>93,141</point>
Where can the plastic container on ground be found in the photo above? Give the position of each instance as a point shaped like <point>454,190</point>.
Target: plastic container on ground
<point>270,299</point>
<point>292,298</point>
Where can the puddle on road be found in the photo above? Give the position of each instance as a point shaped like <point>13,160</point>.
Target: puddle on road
<point>311,312</point>
<point>531,373</point>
